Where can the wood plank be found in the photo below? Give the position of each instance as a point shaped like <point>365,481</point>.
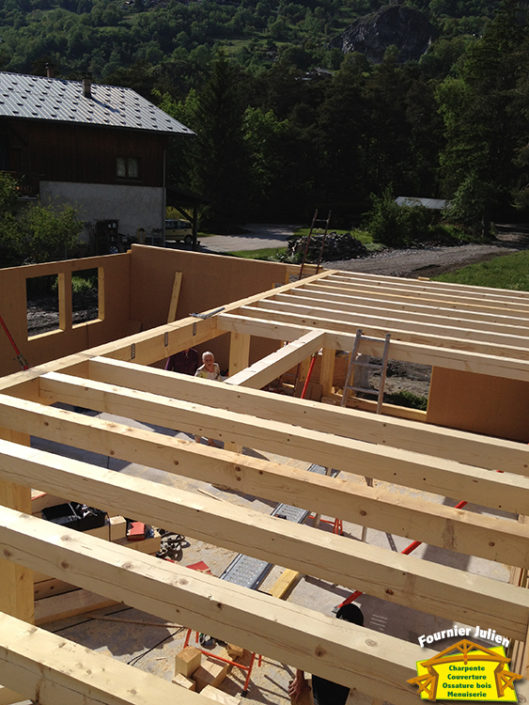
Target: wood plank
<point>468,448</point>
<point>363,318</point>
<point>52,670</point>
<point>68,604</point>
<point>51,587</point>
<point>175,296</point>
<point>67,669</point>
<point>450,300</point>
<point>510,368</point>
<point>239,353</point>
<point>284,585</point>
<point>16,581</point>
<point>8,697</point>
<point>378,328</point>
<point>398,578</point>
<point>406,312</point>
<point>475,534</point>
<point>328,360</point>
<point>377,298</point>
<point>283,631</point>
<point>277,363</point>
<point>478,292</point>
<point>447,478</point>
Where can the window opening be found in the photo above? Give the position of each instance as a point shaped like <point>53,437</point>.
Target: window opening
<point>42,304</point>
<point>85,296</point>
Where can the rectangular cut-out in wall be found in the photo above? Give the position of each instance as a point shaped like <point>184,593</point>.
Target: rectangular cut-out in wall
<point>404,384</point>
<point>86,285</point>
<point>42,304</point>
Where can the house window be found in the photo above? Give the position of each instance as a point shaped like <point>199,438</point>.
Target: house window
<point>127,168</point>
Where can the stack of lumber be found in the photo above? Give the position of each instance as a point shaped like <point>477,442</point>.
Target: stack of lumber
<point>203,675</point>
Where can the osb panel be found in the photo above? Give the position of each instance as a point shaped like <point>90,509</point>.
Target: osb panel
<point>480,403</point>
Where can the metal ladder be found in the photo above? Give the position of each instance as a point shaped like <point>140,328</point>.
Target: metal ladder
<point>315,220</point>
<point>382,366</point>
<point>354,363</point>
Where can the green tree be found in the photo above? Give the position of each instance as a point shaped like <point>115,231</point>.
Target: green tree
<point>481,128</point>
<point>217,159</point>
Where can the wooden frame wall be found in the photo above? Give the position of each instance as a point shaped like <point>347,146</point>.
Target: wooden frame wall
<point>322,311</point>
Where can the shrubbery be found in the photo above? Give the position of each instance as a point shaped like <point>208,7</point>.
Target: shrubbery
<point>31,233</point>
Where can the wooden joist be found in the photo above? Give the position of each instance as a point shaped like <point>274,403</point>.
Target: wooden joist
<point>421,287</point>
<point>340,651</point>
<point>490,537</point>
<point>442,337</point>
<point>500,491</point>
<point>468,448</point>
<point>401,579</point>
<point>52,670</point>
<point>416,311</point>
<point>454,300</point>
<point>423,353</point>
<point>483,329</point>
<point>277,363</point>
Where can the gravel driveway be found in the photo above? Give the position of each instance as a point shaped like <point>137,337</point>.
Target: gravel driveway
<point>430,261</point>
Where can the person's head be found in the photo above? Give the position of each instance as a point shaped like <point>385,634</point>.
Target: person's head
<point>351,613</point>
<point>208,358</point>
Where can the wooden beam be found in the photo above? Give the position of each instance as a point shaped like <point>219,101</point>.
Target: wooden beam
<point>467,361</point>
<point>475,534</point>
<point>465,447</point>
<point>328,360</point>
<point>52,670</point>
<point>420,286</point>
<point>405,580</point>
<point>378,328</point>
<point>341,651</point>
<point>175,296</point>
<point>239,353</point>
<point>506,491</point>
<point>8,696</point>
<point>16,582</point>
<point>361,319</point>
<point>473,303</point>
<point>277,363</point>
<point>416,313</point>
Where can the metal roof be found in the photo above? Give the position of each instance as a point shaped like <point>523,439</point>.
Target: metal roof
<point>432,203</point>
<point>55,99</point>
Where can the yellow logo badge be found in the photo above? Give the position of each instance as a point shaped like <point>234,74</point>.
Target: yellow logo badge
<point>467,671</point>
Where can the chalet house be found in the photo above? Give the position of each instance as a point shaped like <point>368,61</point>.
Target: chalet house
<point>100,148</point>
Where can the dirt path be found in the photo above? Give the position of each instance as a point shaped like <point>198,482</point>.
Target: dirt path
<point>430,261</point>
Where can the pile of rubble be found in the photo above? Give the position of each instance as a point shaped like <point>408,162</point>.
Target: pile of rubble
<point>336,246</point>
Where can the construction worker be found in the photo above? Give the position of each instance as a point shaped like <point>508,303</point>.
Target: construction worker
<point>325,692</point>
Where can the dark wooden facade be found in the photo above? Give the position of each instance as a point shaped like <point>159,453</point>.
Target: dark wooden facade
<point>37,151</point>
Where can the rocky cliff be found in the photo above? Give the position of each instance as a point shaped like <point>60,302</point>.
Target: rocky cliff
<point>404,27</point>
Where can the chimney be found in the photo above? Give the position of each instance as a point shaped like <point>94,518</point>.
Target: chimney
<point>49,70</point>
<point>87,86</point>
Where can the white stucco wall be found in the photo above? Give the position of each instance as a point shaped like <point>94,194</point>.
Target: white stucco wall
<point>134,206</point>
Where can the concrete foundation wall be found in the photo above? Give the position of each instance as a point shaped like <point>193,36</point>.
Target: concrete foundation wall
<point>480,403</point>
<point>134,206</point>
